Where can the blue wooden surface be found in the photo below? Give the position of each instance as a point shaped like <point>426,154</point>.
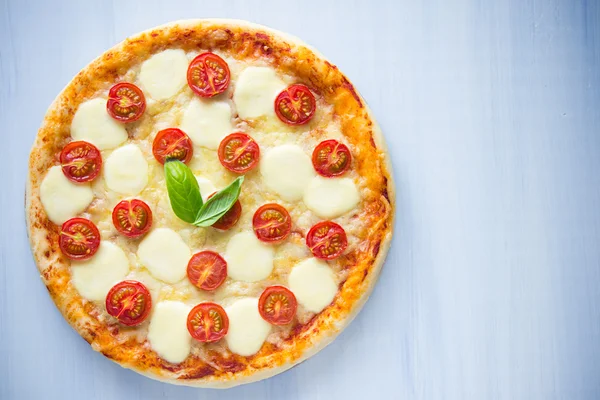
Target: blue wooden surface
<point>491,111</point>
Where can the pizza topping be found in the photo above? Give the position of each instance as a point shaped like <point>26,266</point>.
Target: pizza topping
<point>272,223</point>
<point>330,198</point>
<point>61,198</point>
<point>239,153</point>
<point>207,122</point>
<point>277,305</point>
<point>255,91</point>
<point>126,170</point>
<point>92,124</point>
<point>126,102</point>
<point>129,302</point>
<point>208,75</point>
<point>331,158</point>
<point>94,277</point>
<point>172,143</point>
<point>206,187</point>
<point>326,240</point>
<point>295,105</point>
<point>247,330</point>
<point>164,254</point>
<point>207,322</point>
<point>230,218</point>
<point>207,270</point>
<point>163,75</point>
<point>79,239</point>
<point>313,283</point>
<point>287,170</point>
<point>242,248</point>
<point>167,333</point>
<point>80,161</point>
<point>132,218</point>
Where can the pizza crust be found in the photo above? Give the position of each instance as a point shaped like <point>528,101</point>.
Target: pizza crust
<point>290,52</point>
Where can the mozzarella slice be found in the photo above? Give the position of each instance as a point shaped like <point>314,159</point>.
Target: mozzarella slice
<point>255,92</point>
<point>206,187</point>
<point>287,170</point>
<point>164,254</point>
<point>248,259</point>
<point>93,278</point>
<point>92,123</point>
<point>126,170</point>
<point>167,333</point>
<point>61,198</point>
<point>207,122</point>
<point>331,197</point>
<point>313,284</point>
<point>164,74</point>
<point>247,330</point>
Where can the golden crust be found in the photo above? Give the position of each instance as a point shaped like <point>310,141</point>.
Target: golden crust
<point>241,40</point>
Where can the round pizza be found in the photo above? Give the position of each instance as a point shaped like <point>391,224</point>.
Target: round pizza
<point>209,202</point>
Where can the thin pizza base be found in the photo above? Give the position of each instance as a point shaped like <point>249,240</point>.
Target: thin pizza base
<point>288,54</point>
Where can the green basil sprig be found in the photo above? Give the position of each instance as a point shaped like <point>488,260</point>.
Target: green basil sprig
<point>186,200</point>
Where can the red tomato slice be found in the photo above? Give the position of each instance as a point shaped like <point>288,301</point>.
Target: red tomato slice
<point>81,161</point>
<point>208,75</point>
<point>132,217</point>
<point>331,158</point>
<point>239,153</point>
<point>277,305</point>
<point>295,105</point>
<point>79,239</point>
<point>172,143</point>
<point>207,270</point>
<point>207,322</point>
<point>327,240</point>
<point>272,223</point>
<point>230,218</point>
<point>126,102</point>
<point>129,302</point>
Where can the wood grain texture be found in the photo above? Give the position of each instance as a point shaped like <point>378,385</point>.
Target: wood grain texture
<point>491,111</point>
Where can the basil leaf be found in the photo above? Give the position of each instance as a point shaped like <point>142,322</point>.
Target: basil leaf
<point>183,190</point>
<point>219,204</point>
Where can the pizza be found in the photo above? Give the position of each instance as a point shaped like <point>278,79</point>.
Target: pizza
<point>209,202</point>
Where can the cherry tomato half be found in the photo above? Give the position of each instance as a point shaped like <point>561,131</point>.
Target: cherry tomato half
<point>172,143</point>
<point>327,240</point>
<point>126,102</point>
<point>230,218</point>
<point>331,158</point>
<point>207,270</point>
<point>208,75</point>
<point>295,105</point>
<point>239,153</point>
<point>80,161</point>
<point>132,218</point>
<point>277,305</point>
<point>207,322</point>
<point>272,223</point>
<point>79,239</point>
<point>129,302</point>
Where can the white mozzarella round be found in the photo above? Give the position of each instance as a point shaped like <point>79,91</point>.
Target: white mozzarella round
<point>93,278</point>
<point>164,74</point>
<point>207,122</point>
<point>287,170</point>
<point>206,187</point>
<point>93,124</point>
<point>164,253</point>
<point>255,92</point>
<point>126,170</point>
<point>63,199</point>
<point>167,332</point>
<point>248,259</point>
<point>313,283</point>
<point>247,330</point>
<point>331,197</point>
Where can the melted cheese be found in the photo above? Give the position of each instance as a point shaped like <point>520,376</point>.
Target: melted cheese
<point>206,187</point>
<point>287,171</point>
<point>93,124</point>
<point>164,254</point>
<point>93,278</point>
<point>248,259</point>
<point>164,74</point>
<point>207,122</point>
<point>167,333</point>
<point>331,197</point>
<point>255,92</point>
<point>247,330</point>
<point>63,199</point>
<point>126,170</point>
<point>313,284</point>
